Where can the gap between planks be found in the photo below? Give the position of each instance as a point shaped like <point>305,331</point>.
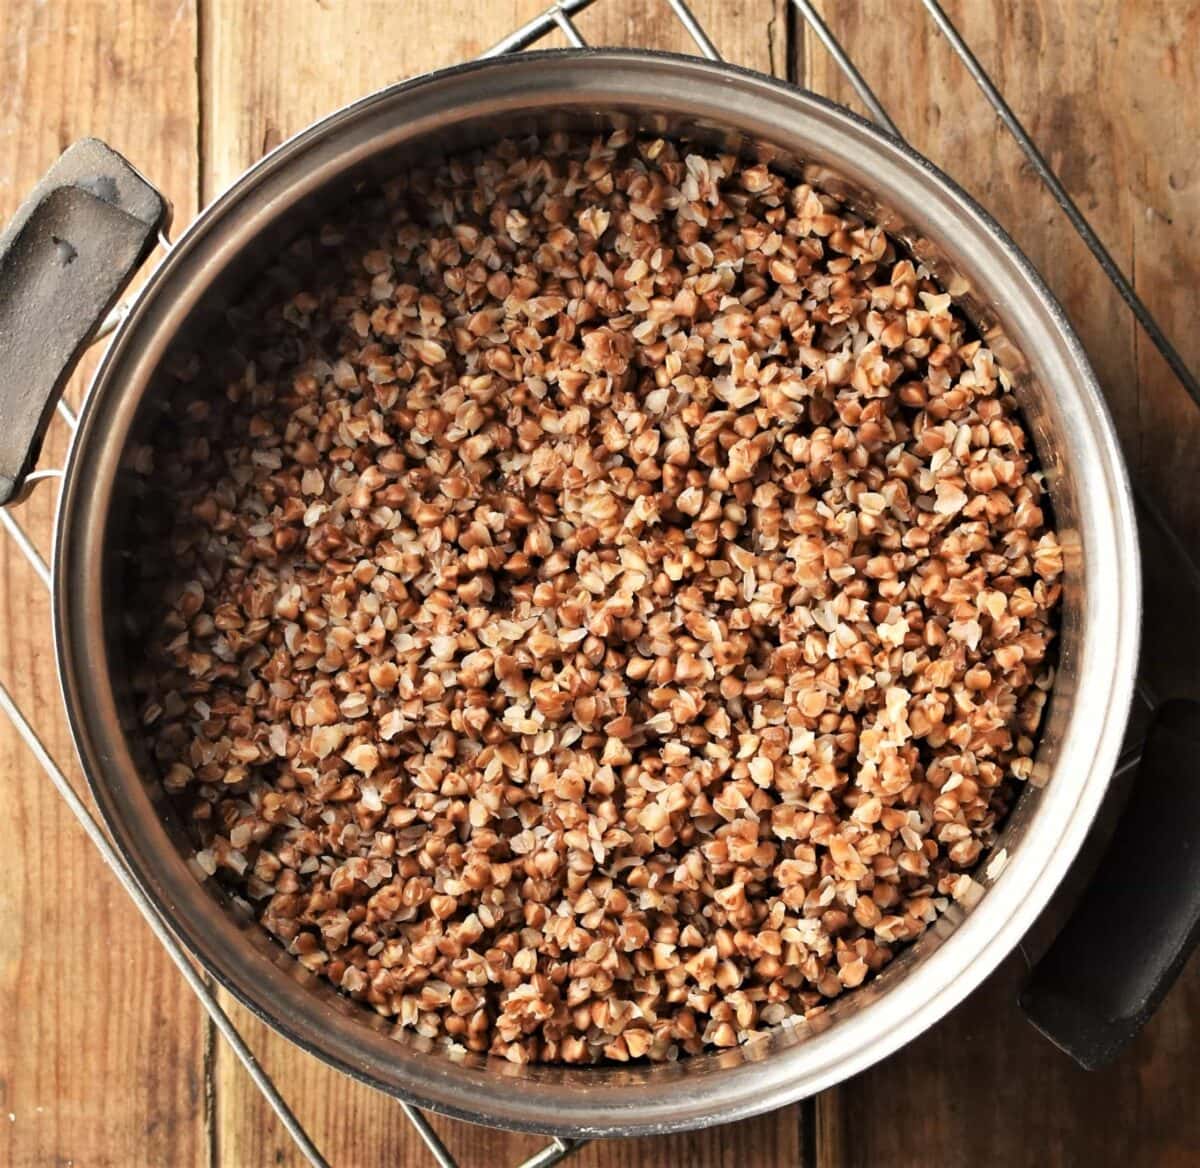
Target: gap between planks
<point>212,1133</point>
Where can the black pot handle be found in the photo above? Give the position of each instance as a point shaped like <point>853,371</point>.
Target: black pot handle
<point>64,259</point>
<point>1139,918</point>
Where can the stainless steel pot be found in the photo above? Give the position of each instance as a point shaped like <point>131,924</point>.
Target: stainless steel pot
<point>666,95</point>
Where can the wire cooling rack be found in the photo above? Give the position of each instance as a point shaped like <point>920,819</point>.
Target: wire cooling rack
<point>557,16</point>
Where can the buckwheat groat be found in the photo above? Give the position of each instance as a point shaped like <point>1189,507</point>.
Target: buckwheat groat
<point>612,607</point>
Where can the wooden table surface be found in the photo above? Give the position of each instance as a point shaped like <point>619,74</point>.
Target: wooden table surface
<point>105,1059</point>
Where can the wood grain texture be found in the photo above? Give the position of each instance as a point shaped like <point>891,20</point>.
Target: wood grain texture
<point>272,69</point>
<point>1155,80</point>
<point>984,1088</point>
<point>104,1059</point>
<point>1108,90</point>
<point>101,1045</point>
<point>264,78</point>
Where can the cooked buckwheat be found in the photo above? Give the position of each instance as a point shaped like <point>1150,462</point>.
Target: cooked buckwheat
<point>613,603</point>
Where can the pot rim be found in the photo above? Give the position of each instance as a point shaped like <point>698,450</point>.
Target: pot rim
<point>933,985</point>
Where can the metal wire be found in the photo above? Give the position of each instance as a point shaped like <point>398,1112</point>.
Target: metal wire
<point>535,29</point>
<point>112,321</point>
<point>554,1153</point>
<point>842,59</point>
<point>695,29</point>
<point>1069,207</point>
<point>17,532</point>
<point>433,1141</point>
<point>568,28</point>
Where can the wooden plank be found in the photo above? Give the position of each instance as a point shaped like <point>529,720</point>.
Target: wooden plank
<point>747,32</point>
<point>267,73</point>
<point>1105,89</point>
<point>1155,79</point>
<point>984,1088</point>
<point>770,1141</point>
<point>101,1047</point>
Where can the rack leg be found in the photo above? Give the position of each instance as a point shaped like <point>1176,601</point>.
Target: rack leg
<point>553,1153</point>
<point>433,1141</point>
